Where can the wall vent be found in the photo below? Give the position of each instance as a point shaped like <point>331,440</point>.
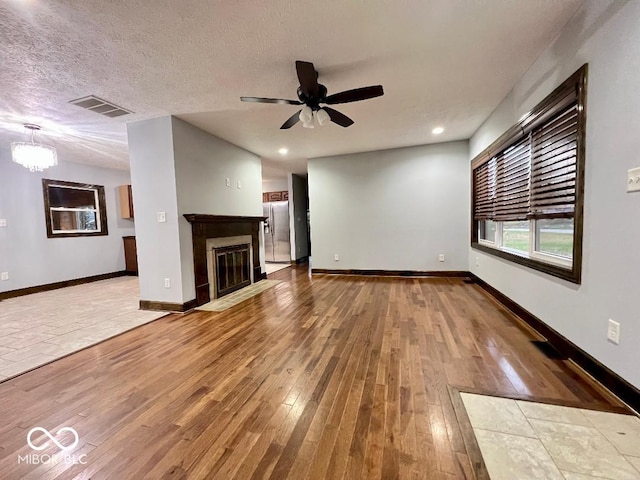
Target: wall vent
<point>100,106</point>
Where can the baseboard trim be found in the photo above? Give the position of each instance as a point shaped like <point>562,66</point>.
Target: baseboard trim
<point>56,285</point>
<point>391,273</point>
<point>168,306</point>
<point>613,382</point>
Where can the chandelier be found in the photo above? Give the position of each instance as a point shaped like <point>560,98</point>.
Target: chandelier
<point>34,156</point>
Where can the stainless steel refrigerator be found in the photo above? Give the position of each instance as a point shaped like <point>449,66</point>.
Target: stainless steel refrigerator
<point>277,243</point>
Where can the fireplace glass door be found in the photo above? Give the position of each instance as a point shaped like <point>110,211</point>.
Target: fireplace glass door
<point>233,269</point>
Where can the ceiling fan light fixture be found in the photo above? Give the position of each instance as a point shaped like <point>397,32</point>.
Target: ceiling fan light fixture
<point>308,124</point>
<point>322,116</point>
<point>34,156</point>
<point>306,115</point>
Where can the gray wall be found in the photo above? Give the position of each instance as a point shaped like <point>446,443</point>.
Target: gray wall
<point>202,163</point>
<point>25,251</point>
<point>278,185</point>
<point>154,190</point>
<point>178,168</point>
<point>392,210</point>
<point>606,35</point>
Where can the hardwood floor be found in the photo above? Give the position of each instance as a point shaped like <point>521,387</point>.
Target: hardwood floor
<point>323,378</point>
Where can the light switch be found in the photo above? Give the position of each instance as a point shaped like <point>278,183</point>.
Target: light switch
<point>633,180</point>
<point>3,222</point>
<point>227,182</point>
<point>162,217</point>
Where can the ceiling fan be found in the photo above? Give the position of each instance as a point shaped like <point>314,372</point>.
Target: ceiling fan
<point>312,95</point>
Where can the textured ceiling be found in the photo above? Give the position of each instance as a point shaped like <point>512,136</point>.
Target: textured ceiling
<point>442,63</point>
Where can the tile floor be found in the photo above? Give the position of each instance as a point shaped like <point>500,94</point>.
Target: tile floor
<point>38,328</point>
<point>526,440</point>
<point>228,301</point>
<point>274,267</point>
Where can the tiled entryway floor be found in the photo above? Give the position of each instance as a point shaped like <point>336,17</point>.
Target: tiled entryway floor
<point>274,267</point>
<point>527,440</point>
<point>36,329</point>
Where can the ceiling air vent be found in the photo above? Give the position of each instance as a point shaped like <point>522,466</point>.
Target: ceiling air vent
<point>100,106</point>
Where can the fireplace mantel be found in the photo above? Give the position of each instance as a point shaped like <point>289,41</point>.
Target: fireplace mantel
<point>202,218</point>
<point>215,226</point>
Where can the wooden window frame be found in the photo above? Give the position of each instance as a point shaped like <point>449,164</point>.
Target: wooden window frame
<point>101,208</point>
<point>541,113</point>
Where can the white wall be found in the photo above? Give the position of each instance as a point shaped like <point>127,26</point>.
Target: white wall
<point>202,163</point>
<point>154,190</point>
<point>391,210</point>
<point>607,36</point>
<point>25,251</point>
<point>278,185</point>
<point>177,168</point>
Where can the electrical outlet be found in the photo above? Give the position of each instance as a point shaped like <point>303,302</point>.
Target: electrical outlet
<point>477,261</point>
<point>4,276</point>
<point>613,332</point>
<point>162,217</point>
<point>336,257</point>
<point>167,283</point>
<point>227,182</point>
<point>239,185</point>
<point>3,222</point>
<point>441,257</point>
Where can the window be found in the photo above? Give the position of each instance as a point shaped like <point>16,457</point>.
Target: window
<point>528,186</point>
<point>74,209</point>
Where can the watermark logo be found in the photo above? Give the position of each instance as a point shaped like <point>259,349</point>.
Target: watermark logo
<point>71,446</point>
<point>60,440</point>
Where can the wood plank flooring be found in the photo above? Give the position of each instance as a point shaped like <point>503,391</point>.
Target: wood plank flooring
<point>327,377</point>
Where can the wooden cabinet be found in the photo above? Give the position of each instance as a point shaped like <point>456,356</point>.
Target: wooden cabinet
<point>275,196</point>
<point>130,255</point>
<point>126,201</point>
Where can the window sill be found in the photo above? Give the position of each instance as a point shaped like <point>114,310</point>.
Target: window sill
<point>571,274</point>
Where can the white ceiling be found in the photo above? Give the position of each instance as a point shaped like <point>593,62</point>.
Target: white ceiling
<point>442,63</point>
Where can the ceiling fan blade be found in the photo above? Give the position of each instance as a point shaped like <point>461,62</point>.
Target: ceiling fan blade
<point>339,118</point>
<point>308,78</point>
<point>355,95</point>
<point>270,100</point>
<point>293,119</point>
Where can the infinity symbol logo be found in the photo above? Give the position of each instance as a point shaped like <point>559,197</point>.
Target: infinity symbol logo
<point>52,438</point>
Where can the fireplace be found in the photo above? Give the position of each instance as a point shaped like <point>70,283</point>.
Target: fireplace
<point>232,269</point>
<point>229,264</point>
<point>225,254</point>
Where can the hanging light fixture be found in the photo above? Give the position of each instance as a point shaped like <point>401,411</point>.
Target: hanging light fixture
<point>322,117</point>
<point>34,156</point>
<point>306,117</point>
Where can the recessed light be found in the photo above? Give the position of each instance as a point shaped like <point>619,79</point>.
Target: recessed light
<point>283,151</point>
<point>437,130</point>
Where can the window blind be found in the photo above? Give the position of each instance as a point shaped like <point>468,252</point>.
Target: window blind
<point>535,177</point>
<point>553,166</point>
<point>512,182</point>
<point>485,183</point>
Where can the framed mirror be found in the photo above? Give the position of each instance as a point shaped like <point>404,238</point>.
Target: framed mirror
<point>74,209</point>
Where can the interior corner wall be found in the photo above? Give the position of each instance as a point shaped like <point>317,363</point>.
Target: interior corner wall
<point>606,36</point>
<point>27,254</point>
<point>154,190</point>
<point>203,162</point>
<point>391,209</point>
